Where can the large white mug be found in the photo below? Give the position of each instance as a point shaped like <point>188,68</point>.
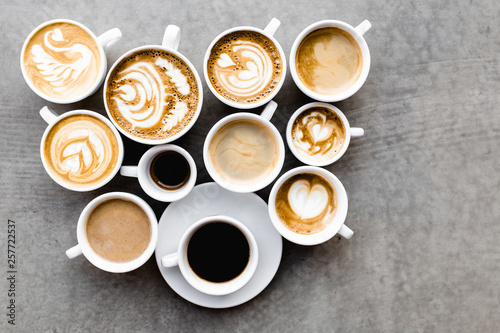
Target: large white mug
<point>67,69</point>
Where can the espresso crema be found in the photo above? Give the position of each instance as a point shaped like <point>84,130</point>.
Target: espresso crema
<point>152,94</point>
<point>245,67</point>
<point>306,203</point>
<point>62,61</point>
<point>81,151</point>
<point>318,134</point>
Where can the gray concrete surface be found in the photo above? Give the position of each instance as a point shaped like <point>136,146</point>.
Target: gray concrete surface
<point>423,182</point>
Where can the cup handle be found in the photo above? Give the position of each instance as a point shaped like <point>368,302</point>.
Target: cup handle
<point>356,132</point>
<point>172,37</point>
<point>345,232</point>
<point>109,38</point>
<point>48,115</point>
<point>272,26</point>
<point>74,252</point>
<point>129,171</point>
<point>269,110</point>
<point>363,27</point>
<point>170,260</point>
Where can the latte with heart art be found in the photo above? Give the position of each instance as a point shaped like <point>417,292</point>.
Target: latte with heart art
<point>306,203</point>
<point>245,67</point>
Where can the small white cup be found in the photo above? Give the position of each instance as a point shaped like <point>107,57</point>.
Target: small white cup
<point>84,248</point>
<point>263,119</point>
<point>336,225</point>
<point>353,132</point>
<point>357,33</point>
<point>142,172</point>
<point>268,31</point>
<point>170,43</point>
<point>180,259</point>
<point>104,41</point>
<point>52,119</point>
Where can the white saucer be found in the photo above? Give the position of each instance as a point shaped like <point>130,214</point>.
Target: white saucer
<point>211,199</point>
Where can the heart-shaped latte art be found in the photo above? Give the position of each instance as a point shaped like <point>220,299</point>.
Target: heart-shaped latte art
<point>306,201</point>
<point>225,61</point>
<point>57,35</point>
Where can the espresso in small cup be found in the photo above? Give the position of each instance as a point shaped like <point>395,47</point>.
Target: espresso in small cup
<point>170,170</point>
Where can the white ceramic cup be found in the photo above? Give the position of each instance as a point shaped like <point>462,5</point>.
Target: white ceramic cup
<point>335,226</point>
<point>170,43</point>
<point>263,119</point>
<point>84,248</point>
<point>142,172</point>
<point>350,132</point>
<point>269,32</point>
<point>104,41</point>
<point>180,259</point>
<point>357,33</point>
<point>52,119</point>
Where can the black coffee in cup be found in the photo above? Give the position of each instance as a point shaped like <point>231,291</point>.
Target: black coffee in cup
<point>170,170</point>
<point>218,252</point>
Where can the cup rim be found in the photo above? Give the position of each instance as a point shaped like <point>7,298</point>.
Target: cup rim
<point>254,186</point>
<point>91,90</point>
<point>152,189</point>
<point>105,264</point>
<point>365,51</point>
<point>239,105</point>
<point>107,123</point>
<point>332,229</point>
<point>303,158</point>
<point>220,288</point>
<point>200,95</point>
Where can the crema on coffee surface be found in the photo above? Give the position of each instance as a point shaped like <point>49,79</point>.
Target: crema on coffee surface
<point>62,61</point>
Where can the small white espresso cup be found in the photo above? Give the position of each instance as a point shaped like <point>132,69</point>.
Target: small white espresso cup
<point>143,172</point>
<point>263,119</point>
<point>104,41</point>
<point>350,132</point>
<point>357,33</point>
<point>52,120</point>
<point>268,32</point>
<point>180,258</point>
<point>336,225</point>
<point>84,247</point>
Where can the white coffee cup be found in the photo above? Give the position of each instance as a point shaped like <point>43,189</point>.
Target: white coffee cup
<point>180,259</point>
<point>353,132</point>
<point>263,119</point>
<point>269,32</point>
<point>52,120</point>
<point>335,226</point>
<point>104,41</point>
<point>143,173</point>
<point>357,33</point>
<point>84,247</point>
<point>170,44</point>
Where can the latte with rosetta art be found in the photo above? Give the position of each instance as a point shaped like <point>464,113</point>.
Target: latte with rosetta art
<point>152,94</point>
<point>62,61</point>
<point>306,203</point>
<point>318,134</point>
<point>245,67</point>
<point>81,151</point>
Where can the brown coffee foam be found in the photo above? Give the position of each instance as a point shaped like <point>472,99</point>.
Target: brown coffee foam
<point>74,131</point>
<point>291,219</point>
<point>226,45</point>
<point>66,55</point>
<point>328,61</point>
<point>118,230</point>
<point>172,95</point>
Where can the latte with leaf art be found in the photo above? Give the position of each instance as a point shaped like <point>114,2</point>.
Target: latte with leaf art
<point>152,94</point>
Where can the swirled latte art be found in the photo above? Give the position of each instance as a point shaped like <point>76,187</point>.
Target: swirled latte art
<point>62,61</point>
<point>81,151</point>
<point>318,134</point>
<point>152,94</point>
<point>244,67</point>
<point>306,203</point>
